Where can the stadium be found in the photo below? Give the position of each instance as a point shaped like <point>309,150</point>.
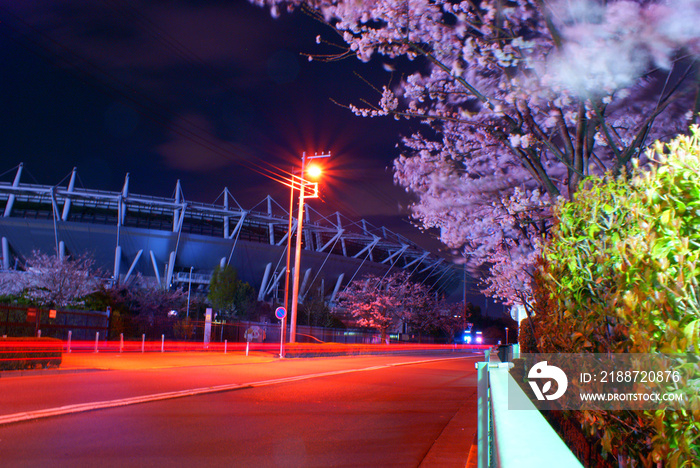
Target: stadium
<point>177,242</point>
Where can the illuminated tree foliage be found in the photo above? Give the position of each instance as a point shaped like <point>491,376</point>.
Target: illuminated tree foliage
<point>437,317</point>
<point>621,274</point>
<point>57,282</point>
<point>521,100</point>
<point>382,303</point>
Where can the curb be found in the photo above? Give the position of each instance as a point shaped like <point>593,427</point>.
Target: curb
<point>473,458</point>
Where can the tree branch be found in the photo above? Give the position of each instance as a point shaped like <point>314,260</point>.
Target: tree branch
<point>448,70</point>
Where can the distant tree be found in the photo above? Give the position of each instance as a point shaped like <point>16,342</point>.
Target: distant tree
<point>229,295</point>
<point>453,318</point>
<point>58,282</point>
<point>151,305</point>
<point>438,317</point>
<point>116,297</point>
<point>423,315</point>
<point>10,285</point>
<point>380,303</point>
<point>316,313</point>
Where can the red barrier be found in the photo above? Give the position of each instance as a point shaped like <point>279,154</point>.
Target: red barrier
<point>291,349</point>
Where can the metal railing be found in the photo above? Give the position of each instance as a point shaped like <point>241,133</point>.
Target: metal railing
<point>514,438</point>
<point>26,321</point>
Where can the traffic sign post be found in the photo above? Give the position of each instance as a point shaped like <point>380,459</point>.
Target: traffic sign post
<point>281,314</point>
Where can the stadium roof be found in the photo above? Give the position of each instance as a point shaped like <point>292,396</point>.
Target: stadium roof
<point>345,248</point>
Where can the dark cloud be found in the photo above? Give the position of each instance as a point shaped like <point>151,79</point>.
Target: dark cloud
<point>187,154</point>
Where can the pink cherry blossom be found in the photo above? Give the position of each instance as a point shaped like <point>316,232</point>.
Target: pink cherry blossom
<point>522,100</point>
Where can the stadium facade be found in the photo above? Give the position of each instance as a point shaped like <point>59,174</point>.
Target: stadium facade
<point>175,242</point>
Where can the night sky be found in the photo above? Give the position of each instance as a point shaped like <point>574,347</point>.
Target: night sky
<point>191,91</point>
<point>201,91</point>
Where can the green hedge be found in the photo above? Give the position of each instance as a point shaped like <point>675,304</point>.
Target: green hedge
<point>28,353</point>
<point>621,274</point>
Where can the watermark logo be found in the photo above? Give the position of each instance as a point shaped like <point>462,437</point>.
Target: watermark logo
<point>604,382</point>
<point>543,371</point>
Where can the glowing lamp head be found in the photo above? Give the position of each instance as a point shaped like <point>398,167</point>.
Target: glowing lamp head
<point>314,171</point>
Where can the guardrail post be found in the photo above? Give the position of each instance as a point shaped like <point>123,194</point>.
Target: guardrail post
<point>225,345</point>
<point>97,340</point>
<point>506,437</point>
<point>162,343</point>
<point>70,332</point>
<point>483,413</point>
<point>38,333</point>
<point>121,342</point>
<point>143,342</point>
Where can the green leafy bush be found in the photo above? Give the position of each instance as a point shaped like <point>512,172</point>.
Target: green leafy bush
<point>620,274</point>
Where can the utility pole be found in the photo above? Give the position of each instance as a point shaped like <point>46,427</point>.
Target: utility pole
<point>297,257</point>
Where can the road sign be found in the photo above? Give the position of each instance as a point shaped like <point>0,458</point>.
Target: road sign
<point>253,333</point>
<point>280,313</point>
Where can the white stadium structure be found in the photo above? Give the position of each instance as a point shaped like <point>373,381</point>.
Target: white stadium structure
<point>173,241</point>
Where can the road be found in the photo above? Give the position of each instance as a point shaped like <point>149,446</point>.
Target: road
<point>402,411</point>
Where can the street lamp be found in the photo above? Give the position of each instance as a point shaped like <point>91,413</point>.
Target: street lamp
<point>288,269</point>
<point>303,183</point>
<point>283,326</point>
<point>314,171</point>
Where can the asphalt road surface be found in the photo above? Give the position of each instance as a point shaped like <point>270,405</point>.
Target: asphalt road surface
<point>371,411</point>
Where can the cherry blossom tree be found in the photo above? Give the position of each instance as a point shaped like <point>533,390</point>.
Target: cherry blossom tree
<point>10,283</point>
<point>435,316</point>
<point>381,303</point>
<point>59,282</point>
<point>453,318</point>
<point>521,100</point>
